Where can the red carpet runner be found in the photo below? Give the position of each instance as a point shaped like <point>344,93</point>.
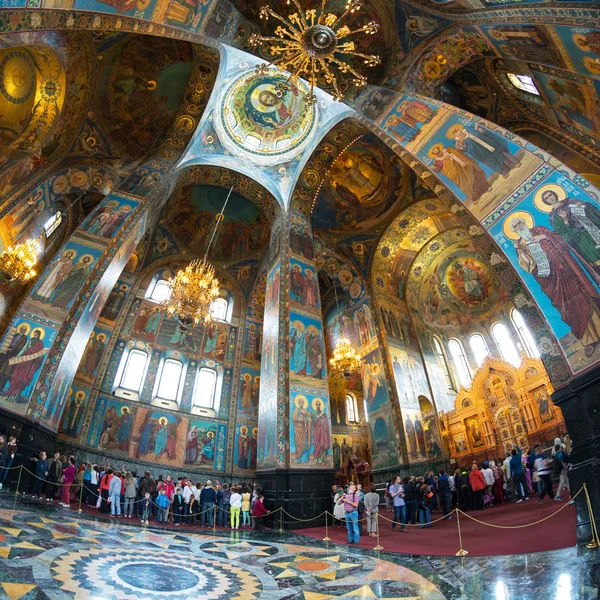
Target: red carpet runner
<point>442,539</point>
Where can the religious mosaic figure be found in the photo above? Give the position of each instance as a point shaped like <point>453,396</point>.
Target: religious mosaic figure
<point>320,429</point>
<point>26,364</point>
<point>114,303</point>
<point>67,288</point>
<point>302,430</point>
<point>74,414</point>
<point>243,449</point>
<point>93,354</point>
<point>548,258</point>
<point>58,271</point>
<point>12,348</point>
<point>578,224</point>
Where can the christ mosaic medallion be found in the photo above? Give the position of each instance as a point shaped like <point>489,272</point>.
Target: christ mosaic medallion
<point>258,122</point>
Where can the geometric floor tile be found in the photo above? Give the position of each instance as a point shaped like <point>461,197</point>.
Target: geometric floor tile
<point>17,590</point>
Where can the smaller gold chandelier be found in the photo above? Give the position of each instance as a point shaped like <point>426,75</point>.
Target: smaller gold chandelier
<point>17,263</point>
<point>308,44</point>
<point>345,359</point>
<point>192,291</point>
<point>195,288</point>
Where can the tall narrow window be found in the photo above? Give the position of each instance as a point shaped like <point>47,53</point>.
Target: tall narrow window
<point>351,409</point>
<point>442,361</point>
<point>170,379</point>
<point>525,334</point>
<point>524,83</point>
<point>133,373</point>
<point>505,344</point>
<point>460,362</point>
<point>479,348</point>
<point>218,309</point>
<point>161,291</point>
<point>206,387</point>
<point>51,225</point>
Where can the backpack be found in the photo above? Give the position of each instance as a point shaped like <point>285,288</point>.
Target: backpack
<point>557,464</point>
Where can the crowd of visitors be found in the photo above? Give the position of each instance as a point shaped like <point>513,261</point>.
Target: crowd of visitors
<point>122,494</point>
<point>412,499</point>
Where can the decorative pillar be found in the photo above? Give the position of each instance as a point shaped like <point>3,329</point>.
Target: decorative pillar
<point>295,456</point>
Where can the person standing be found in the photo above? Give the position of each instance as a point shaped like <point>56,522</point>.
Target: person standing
<point>41,473</point>
<point>508,478</point>
<point>339,514</point>
<point>114,495</point>
<point>560,469</point>
<point>55,471</point>
<point>208,497</point>
<point>425,496</point>
<point>518,474</point>
<point>178,507</point>
<point>246,508</point>
<point>131,488</point>
<point>235,501</point>
<point>163,503</point>
<point>543,468</point>
<point>477,482</point>
<point>11,453</point>
<point>225,506</point>
<point>350,501</point>
<point>146,508</point>
<point>410,499</point>
<point>68,476</point>
<point>371,503</point>
<point>258,512</point>
<point>104,487</point>
<point>397,496</point>
<point>445,493</point>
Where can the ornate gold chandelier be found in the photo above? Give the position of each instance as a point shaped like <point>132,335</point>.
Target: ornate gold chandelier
<point>308,44</point>
<point>17,263</point>
<point>194,288</point>
<point>345,359</point>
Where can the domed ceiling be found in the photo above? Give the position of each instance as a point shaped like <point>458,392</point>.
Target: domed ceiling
<point>142,86</point>
<point>190,215</point>
<point>360,189</point>
<point>450,283</point>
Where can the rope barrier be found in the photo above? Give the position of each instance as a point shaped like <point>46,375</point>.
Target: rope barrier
<point>594,543</point>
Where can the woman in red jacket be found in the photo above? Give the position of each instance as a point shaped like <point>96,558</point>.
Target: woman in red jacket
<point>477,482</point>
<point>259,511</point>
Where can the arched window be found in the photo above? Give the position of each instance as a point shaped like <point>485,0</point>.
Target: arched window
<point>134,370</point>
<point>161,291</point>
<point>505,344</point>
<point>479,348</point>
<point>523,83</point>
<point>460,362</point>
<point>351,409</point>
<point>524,334</point>
<point>206,388</point>
<point>439,351</point>
<point>170,380</point>
<point>219,309</point>
<point>51,225</point>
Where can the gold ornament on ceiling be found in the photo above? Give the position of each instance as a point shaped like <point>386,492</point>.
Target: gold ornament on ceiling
<point>345,359</point>
<point>17,263</point>
<point>309,43</point>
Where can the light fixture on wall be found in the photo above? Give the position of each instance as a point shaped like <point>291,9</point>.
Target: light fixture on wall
<point>309,42</point>
<point>194,288</point>
<point>345,359</point>
<point>17,263</point>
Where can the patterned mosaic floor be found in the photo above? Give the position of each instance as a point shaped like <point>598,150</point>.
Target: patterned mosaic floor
<point>48,552</point>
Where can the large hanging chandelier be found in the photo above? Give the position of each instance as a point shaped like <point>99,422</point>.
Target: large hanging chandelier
<point>17,263</point>
<point>309,43</point>
<point>194,288</point>
<point>345,359</point>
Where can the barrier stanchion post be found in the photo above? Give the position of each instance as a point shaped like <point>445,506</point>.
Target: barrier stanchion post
<point>594,542</point>
<point>379,546</point>
<point>214,527</point>
<point>19,480</point>
<point>326,538</point>
<point>80,497</point>
<point>281,519</point>
<point>462,551</point>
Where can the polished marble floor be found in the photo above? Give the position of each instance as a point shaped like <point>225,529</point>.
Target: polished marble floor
<point>49,552</point>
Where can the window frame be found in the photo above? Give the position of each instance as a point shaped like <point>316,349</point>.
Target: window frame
<point>524,83</point>
<point>352,407</point>
<point>439,351</point>
<point>159,381</point>
<point>518,359</point>
<point>55,221</point>
<point>478,335</point>
<point>158,283</point>
<point>133,352</point>
<point>462,364</point>
<point>215,393</point>
<point>227,302</point>
<point>524,334</point>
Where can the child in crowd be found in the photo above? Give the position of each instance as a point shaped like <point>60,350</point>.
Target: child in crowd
<point>178,507</point>
<point>162,501</point>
